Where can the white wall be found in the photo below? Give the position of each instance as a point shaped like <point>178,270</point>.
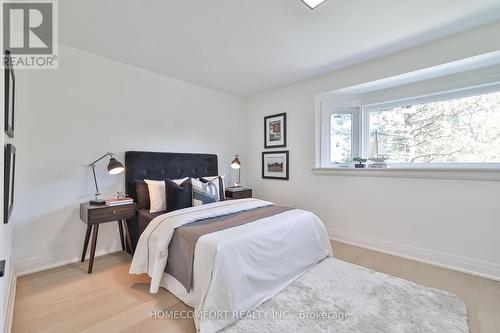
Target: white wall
<point>448,222</point>
<point>68,117</point>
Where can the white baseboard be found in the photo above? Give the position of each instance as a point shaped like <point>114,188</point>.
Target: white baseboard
<point>9,304</point>
<point>48,261</point>
<point>456,263</point>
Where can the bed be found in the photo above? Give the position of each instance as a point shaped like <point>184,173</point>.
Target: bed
<point>234,269</point>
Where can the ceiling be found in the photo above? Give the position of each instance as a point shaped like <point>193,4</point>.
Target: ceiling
<point>244,47</point>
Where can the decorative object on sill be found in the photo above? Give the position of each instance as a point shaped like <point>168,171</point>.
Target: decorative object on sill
<point>359,163</point>
<point>114,168</point>
<point>275,165</point>
<point>377,159</point>
<point>10,93</point>
<point>9,171</point>
<point>275,131</point>
<point>236,164</point>
<point>378,165</point>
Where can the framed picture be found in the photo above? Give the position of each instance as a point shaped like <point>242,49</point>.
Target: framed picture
<point>275,131</point>
<point>275,165</point>
<point>10,90</point>
<point>9,172</point>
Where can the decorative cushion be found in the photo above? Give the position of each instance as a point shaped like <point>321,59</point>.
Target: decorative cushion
<point>205,192</point>
<point>142,193</point>
<point>178,195</point>
<point>157,199</point>
<point>220,185</point>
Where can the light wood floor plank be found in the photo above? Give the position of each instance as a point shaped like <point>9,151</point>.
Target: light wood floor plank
<point>488,309</point>
<point>67,299</point>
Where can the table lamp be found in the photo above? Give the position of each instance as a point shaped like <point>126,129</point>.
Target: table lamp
<point>114,168</point>
<point>236,164</point>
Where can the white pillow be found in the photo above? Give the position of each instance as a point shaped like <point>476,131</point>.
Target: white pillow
<point>157,198</point>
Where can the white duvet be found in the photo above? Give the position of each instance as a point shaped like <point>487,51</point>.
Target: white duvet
<point>236,269</point>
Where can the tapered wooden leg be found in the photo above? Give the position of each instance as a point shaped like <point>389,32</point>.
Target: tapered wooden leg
<point>127,234</point>
<point>86,242</point>
<point>92,248</point>
<point>122,240</point>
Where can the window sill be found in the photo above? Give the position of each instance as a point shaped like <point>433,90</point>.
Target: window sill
<point>487,174</point>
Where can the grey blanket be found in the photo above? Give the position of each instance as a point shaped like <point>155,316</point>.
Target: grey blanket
<point>181,248</point>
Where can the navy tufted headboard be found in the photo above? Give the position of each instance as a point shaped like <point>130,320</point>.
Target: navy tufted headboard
<point>140,165</point>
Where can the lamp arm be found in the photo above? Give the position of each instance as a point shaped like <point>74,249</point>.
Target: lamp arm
<point>93,173</point>
<point>100,158</point>
<point>95,182</point>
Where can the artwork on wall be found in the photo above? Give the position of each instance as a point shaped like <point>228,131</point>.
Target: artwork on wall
<point>9,173</point>
<point>275,131</point>
<point>10,90</point>
<point>275,165</point>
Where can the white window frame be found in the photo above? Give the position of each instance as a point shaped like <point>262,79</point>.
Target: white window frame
<point>327,108</point>
<point>355,133</point>
<point>361,147</point>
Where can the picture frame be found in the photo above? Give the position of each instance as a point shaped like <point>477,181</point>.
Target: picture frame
<point>10,93</point>
<point>275,131</point>
<point>275,165</point>
<point>9,176</point>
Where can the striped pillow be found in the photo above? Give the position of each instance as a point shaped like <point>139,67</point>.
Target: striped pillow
<point>219,184</point>
<point>205,192</point>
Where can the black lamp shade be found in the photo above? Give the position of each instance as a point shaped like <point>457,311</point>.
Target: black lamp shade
<point>115,167</point>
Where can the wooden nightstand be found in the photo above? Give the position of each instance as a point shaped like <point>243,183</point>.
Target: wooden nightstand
<point>241,194</point>
<point>94,215</point>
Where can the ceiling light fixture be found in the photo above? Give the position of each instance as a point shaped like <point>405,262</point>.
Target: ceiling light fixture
<point>313,3</point>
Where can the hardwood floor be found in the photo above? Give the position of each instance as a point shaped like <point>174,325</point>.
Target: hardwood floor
<point>67,299</point>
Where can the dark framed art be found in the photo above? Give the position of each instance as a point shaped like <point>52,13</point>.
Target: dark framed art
<point>275,165</point>
<point>9,173</point>
<point>275,131</point>
<point>10,92</point>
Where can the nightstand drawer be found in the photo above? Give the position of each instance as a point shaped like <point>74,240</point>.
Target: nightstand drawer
<point>108,214</point>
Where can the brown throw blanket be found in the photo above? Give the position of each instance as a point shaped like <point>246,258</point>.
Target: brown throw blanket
<point>181,248</point>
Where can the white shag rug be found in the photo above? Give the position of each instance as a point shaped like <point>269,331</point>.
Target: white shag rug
<point>336,296</point>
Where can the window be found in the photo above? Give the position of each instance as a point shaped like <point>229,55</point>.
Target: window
<point>342,130</point>
<point>458,129</point>
<point>341,137</point>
